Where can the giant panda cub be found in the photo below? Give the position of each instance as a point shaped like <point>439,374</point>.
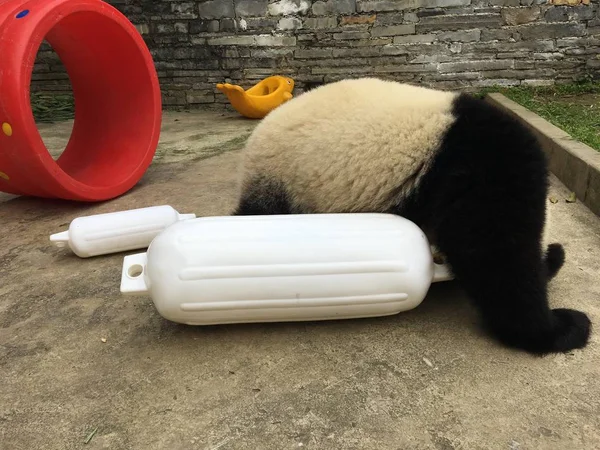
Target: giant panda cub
<point>469,175</point>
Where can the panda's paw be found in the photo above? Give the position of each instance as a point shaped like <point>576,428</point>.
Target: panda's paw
<point>572,330</point>
<point>555,258</point>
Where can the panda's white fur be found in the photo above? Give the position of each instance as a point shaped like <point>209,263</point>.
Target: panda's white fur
<point>471,176</point>
<point>346,147</point>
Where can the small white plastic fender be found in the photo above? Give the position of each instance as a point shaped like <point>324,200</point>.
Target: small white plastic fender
<point>234,269</point>
<point>114,232</point>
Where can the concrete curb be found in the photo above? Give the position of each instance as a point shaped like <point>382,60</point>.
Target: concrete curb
<point>574,163</point>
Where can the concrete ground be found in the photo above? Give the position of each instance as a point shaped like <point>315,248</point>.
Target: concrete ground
<point>423,379</point>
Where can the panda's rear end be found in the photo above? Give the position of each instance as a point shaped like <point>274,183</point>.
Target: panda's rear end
<point>468,174</point>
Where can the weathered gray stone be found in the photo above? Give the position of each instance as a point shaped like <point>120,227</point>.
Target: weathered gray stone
<point>393,18</point>
<point>165,28</point>
<point>391,5</point>
<point>261,23</point>
<point>181,27</point>
<point>475,66</point>
<point>351,35</point>
<point>578,42</point>
<point>395,30</point>
<point>497,35</point>
<point>495,83</point>
<point>184,9</point>
<point>423,59</point>
<point>289,23</point>
<point>456,22</point>
<point>537,83</point>
<point>457,76</point>
<point>228,25</point>
<point>289,7</point>
<point>251,7</point>
<point>552,30</point>
<point>505,2</point>
<point>203,26</point>
<point>272,52</point>
<point>582,12</point>
<point>216,9</point>
<point>414,39</point>
<point>352,21</point>
<point>460,36</point>
<point>322,8</point>
<point>195,97</point>
<point>308,53</point>
<point>519,16</point>
<point>395,50</point>
<point>231,40</point>
<point>320,23</point>
<point>411,17</point>
<point>274,41</point>
<point>365,52</point>
<point>557,14</point>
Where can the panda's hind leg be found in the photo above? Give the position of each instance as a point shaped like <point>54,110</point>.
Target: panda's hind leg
<point>262,195</point>
<point>499,262</point>
<point>554,259</point>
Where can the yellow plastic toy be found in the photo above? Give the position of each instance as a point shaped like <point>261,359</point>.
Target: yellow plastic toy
<point>260,99</point>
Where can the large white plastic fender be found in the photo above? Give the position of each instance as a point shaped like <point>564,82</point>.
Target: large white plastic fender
<point>119,231</point>
<point>234,269</point>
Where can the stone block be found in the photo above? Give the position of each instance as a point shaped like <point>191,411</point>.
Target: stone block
<point>472,66</point>
<point>351,35</point>
<point>361,52</point>
<point>195,97</point>
<point>505,2</point>
<point>520,16</point>
<point>458,22</point>
<point>323,8</point>
<point>231,40</point>
<point>184,9</point>
<point>557,14</point>
<point>289,7</point>
<point>228,25</point>
<point>391,5</point>
<point>267,40</point>
<point>497,34</point>
<point>495,82</point>
<point>216,9</point>
<point>289,23</point>
<point>181,27</point>
<point>414,39</point>
<point>569,2</point>
<point>358,20</point>
<point>319,23</point>
<point>552,31</point>
<point>390,18</point>
<point>267,53</point>
<point>261,23</point>
<point>395,30</point>
<point>394,50</point>
<point>251,8</point>
<point>460,36</point>
<point>309,53</point>
<point>203,26</point>
<point>537,83</point>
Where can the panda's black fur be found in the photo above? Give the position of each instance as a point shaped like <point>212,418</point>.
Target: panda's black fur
<point>482,201</point>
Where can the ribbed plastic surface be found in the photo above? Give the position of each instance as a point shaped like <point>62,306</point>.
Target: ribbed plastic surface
<point>283,268</point>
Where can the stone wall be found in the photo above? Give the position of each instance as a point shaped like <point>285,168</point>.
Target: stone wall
<point>453,44</point>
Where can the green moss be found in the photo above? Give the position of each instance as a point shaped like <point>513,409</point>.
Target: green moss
<point>48,108</point>
<point>575,108</point>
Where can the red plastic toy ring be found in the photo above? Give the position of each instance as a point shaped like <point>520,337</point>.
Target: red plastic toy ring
<point>118,107</point>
